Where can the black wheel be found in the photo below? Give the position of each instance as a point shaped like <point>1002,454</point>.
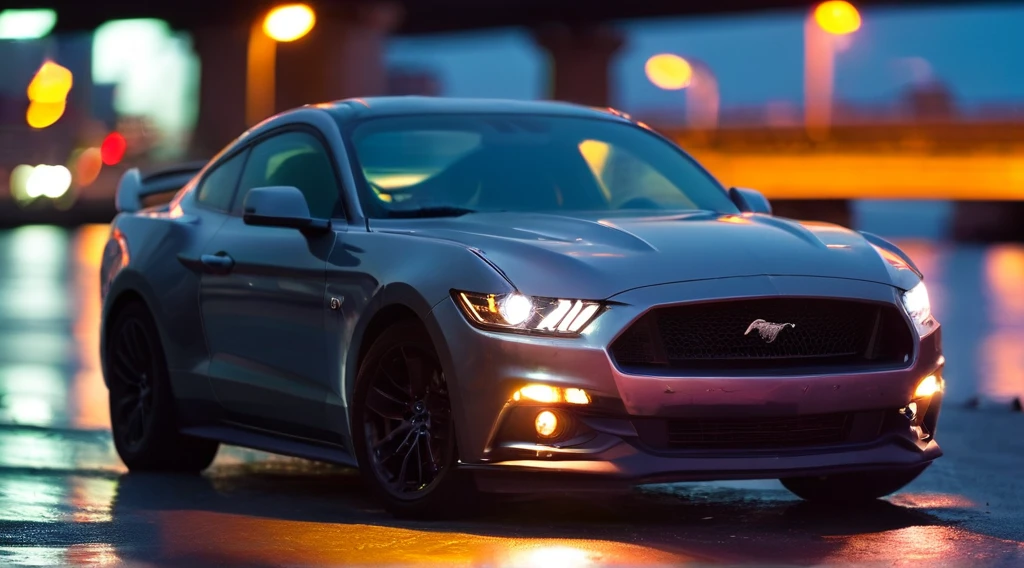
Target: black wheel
<point>852,487</point>
<point>142,406</point>
<point>403,430</point>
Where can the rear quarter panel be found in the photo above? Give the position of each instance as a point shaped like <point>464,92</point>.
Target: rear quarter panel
<point>141,259</point>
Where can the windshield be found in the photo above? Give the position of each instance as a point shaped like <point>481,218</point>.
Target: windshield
<point>434,165</point>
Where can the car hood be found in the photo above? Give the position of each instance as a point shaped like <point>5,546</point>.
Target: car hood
<point>598,257</point>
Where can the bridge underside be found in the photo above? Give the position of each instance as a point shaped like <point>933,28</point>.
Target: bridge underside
<point>423,16</point>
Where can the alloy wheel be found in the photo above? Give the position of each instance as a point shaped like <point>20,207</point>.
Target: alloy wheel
<point>407,422</point>
<point>132,372</point>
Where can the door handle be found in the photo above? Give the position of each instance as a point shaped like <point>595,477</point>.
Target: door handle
<point>219,263</point>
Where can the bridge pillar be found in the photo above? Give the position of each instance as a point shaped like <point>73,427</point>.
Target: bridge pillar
<point>580,58</point>
<point>222,54</point>
<point>341,57</point>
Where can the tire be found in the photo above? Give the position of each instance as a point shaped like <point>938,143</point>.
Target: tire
<point>406,418</point>
<point>850,488</point>
<point>142,405</point>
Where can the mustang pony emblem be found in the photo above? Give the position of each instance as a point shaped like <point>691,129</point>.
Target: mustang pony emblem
<point>766,329</point>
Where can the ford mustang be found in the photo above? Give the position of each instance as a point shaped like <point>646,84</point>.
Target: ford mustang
<point>462,297</point>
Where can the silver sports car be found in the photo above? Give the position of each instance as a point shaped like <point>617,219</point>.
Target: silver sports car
<point>468,296</point>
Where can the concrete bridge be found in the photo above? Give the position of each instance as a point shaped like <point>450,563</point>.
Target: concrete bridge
<point>343,57</point>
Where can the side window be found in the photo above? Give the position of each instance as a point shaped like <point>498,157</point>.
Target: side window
<point>218,187</point>
<point>296,159</point>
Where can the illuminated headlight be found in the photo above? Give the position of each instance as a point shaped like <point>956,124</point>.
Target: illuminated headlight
<point>517,312</point>
<point>919,308</point>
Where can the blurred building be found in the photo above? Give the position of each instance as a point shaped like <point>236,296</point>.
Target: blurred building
<point>413,82</point>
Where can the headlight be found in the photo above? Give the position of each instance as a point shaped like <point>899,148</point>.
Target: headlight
<point>517,312</point>
<point>919,308</point>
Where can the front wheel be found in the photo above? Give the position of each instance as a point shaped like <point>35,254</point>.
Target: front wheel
<point>852,487</point>
<point>403,428</point>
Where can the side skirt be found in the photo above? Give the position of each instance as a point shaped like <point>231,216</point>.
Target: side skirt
<point>253,438</point>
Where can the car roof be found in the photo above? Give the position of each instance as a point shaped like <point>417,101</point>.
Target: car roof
<point>370,107</point>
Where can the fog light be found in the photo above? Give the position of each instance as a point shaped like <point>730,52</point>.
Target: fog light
<point>928,387</point>
<point>546,424</point>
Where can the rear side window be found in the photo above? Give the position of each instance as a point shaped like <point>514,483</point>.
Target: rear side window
<point>218,187</point>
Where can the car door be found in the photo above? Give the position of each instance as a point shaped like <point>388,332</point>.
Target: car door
<point>263,295</point>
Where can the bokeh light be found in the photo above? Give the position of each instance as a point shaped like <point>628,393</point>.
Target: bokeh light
<point>837,17</point>
<point>51,84</point>
<point>48,181</point>
<point>113,148</point>
<point>19,182</point>
<point>87,166</point>
<point>289,22</point>
<point>668,71</point>
<point>41,115</point>
<point>27,24</point>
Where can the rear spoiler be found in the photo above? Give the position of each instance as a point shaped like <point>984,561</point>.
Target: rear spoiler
<point>136,186</point>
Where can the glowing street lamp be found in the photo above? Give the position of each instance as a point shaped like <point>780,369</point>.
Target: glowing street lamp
<point>837,17</point>
<point>289,22</point>
<point>674,73</point>
<point>824,25</point>
<point>285,23</point>
<point>668,71</point>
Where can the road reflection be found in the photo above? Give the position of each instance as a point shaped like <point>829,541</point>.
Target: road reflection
<point>1002,350</point>
<point>65,498</point>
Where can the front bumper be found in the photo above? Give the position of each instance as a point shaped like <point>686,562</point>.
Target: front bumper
<point>620,436</point>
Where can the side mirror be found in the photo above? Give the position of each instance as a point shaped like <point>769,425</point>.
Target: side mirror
<point>750,200</point>
<point>280,206</point>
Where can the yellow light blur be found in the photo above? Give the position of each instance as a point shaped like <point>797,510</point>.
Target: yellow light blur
<point>546,423</point>
<point>551,395</point>
<point>51,84</point>
<point>668,71</point>
<point>928,387</point>
<point>41,115</point>
<point>837,17</point>
<point>289,22</point>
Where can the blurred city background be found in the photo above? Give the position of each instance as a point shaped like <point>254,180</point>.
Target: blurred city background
<point>903,118</point>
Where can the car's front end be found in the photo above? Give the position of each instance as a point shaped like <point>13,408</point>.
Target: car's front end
<point>753,377</point>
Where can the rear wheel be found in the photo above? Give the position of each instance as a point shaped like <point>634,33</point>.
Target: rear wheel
<point>852,487</point>
<point>403,429</point>
<point>142,406</point>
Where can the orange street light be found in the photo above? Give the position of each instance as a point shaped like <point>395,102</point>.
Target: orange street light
<point>289,22</point>
<point>668,71</point>
<point>837,17</point>
<point>826,22</point>
<point>284,23</point>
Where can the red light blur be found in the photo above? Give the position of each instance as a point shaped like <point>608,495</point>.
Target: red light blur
<point>113,148</point>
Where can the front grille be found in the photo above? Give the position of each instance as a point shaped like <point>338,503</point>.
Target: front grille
<point>767,432</point>
<point>821,333</point>
<point>789,432</point>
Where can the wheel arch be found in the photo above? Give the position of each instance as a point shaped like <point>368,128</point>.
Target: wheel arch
<point>124,292</point>
<point>394,303</point>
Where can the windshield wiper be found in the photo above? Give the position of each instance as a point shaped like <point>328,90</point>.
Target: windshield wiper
<point>431,211</point>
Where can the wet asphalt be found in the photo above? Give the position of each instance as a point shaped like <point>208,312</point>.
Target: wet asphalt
<point>65,499</point>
